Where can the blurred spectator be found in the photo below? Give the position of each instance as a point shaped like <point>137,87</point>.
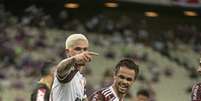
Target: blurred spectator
<point>89,86</point>
<point>19,99</point>
<point>141,78</point>
<point>43,88</point>
<point>142,95</point>
<point>155,73</point>
<point>24,36</point>
<point>110,54</point>
<point>107,79</point>
<point>193,73</point>
<point>168,72</point>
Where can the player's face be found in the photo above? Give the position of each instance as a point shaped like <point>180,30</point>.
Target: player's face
<point>142,98</point>
<point>78,47</point>
<point>124,79</point>
<point>199,68</point>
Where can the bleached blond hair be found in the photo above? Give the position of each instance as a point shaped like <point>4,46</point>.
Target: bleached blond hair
<point>71,40</point>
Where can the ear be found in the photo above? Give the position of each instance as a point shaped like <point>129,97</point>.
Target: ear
<point>66,51</point>
<point>114,77</point>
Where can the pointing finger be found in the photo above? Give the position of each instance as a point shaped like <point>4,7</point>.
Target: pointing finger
<point>93,53</point>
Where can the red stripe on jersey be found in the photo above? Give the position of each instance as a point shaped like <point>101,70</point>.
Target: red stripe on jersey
<point>103,95</point>
<point>196,92</point>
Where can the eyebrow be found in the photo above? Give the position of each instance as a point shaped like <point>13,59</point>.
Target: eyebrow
<point>80,48</point>
<point>128,78</point>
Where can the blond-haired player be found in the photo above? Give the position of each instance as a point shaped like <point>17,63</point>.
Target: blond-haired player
<point>69,83</point>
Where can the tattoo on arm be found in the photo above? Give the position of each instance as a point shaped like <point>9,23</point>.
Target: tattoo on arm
<point>65,67</point>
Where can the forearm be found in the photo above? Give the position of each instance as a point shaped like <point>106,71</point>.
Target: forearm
<point>64,67</point>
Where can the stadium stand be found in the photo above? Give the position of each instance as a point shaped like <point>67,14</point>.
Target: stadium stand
<point>166,49</point>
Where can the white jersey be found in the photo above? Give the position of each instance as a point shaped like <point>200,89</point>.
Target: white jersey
<point>69,91</point>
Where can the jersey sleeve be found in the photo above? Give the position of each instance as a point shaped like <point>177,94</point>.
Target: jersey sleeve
<point>196,92</point>
<point>97,96</point>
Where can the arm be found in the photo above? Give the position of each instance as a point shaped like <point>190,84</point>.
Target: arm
<point>97,96</point>
<point>196,93</point>
<point>65,72</point>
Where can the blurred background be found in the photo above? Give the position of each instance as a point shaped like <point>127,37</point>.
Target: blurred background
<point>163,36</point>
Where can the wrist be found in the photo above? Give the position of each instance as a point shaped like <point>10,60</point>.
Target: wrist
<point>73,60</point>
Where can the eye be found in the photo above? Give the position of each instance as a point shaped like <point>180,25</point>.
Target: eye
<point>77,48</point>
<point>129,79</point>
<point>121,77</point>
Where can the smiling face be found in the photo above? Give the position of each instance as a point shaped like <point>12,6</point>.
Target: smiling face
<point>123,80</point>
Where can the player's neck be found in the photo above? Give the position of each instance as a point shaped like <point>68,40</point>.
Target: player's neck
<point>46,80</point>
<point>120,95</point>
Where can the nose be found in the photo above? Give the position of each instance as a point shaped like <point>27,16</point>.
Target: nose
<point>124,81</point>
<point>82,50</point>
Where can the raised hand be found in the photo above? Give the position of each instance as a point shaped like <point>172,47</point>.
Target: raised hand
<point>84,57</point>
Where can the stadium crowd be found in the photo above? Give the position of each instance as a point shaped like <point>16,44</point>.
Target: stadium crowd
<point>28,40</point>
